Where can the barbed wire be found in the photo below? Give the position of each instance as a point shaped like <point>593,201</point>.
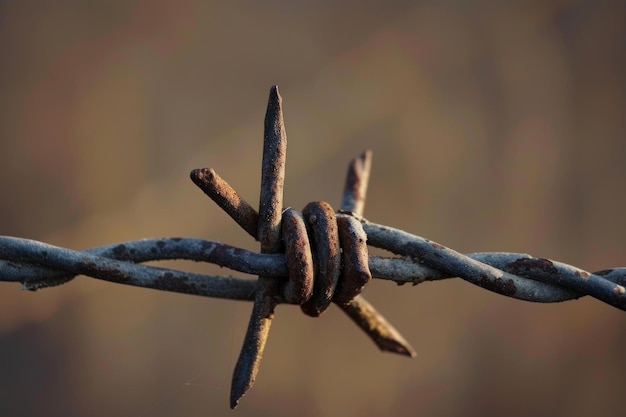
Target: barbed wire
<point>310,258</point>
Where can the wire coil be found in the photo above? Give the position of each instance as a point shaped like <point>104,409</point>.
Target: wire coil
<point>326,257</point>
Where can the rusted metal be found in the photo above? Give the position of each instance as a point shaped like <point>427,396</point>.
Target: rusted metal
<point>357,180</point>
<point>270,207</point>
<point>227,199</point>
<point>327,254</point>
<point>384,335</point>
<point>356,270</point>
<point>368,319</point>
<point>299,285</point>
<point>307,258</point>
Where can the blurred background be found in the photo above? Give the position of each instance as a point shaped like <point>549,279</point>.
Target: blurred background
<point>494,127</point>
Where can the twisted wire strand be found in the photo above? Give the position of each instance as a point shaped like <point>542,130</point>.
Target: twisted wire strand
<point>38,265</point>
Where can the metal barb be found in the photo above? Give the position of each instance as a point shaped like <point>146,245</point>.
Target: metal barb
<point>326,259</point>
<point>270,208</point>
<point>386,337</point>
<point>227,199</point>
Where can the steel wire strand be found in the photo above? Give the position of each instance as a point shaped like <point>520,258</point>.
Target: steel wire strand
<point>539,279</point>
<point>38,265</point>
<point>28,256</point>
<point>16,268</point>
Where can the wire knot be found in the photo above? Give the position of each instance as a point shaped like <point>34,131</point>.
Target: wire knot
<point>326,255</point>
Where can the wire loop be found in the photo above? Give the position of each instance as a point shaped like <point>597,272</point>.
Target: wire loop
<point>335,268</point>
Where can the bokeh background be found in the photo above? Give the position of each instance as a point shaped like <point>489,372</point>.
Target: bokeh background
<point>495,126</point>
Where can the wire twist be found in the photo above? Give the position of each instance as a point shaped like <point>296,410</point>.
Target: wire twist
<point>311,258</point>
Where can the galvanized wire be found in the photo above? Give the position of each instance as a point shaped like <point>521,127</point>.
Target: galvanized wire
<point>38,265</point>
<point>336,271</point>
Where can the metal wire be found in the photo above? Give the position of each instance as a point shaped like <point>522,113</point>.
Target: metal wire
<point>38,265</point>
<point>311,259</point>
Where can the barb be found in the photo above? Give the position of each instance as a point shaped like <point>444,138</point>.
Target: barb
<point>311,259</point>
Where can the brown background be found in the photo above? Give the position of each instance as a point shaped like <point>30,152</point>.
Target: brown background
<point>494,128</point>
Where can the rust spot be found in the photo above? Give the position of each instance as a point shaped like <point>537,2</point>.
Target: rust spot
<point>583,274</point>
<point>89,264</point>
<point>501,286</point>
<point>171,282</point>
<point>529,266</point>
<point>619,290</point>
<point>437,245</point>
<point>111,273</point>
<point>120,251</point>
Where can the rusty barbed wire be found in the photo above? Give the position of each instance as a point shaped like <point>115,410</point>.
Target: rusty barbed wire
<point>309,258</point>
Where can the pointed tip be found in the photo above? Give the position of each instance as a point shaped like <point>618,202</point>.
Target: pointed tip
<point>274,94</point>
<point>249,360</point>
<point>366,156</point>
<point>386,337</point>
<point>244,374</point>
<point>361,166</point>
<point>234,402</point>
<point>390,340</point>
<point>355,189</point>
<point>246,367</point>
<point>238,389</point>
<point>401,347</point>
<point>274,114</point>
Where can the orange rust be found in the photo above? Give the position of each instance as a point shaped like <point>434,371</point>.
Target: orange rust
<point>583,274</point>
<point>356,272</point>
<point>327,256</point>
<point>299,285</point>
